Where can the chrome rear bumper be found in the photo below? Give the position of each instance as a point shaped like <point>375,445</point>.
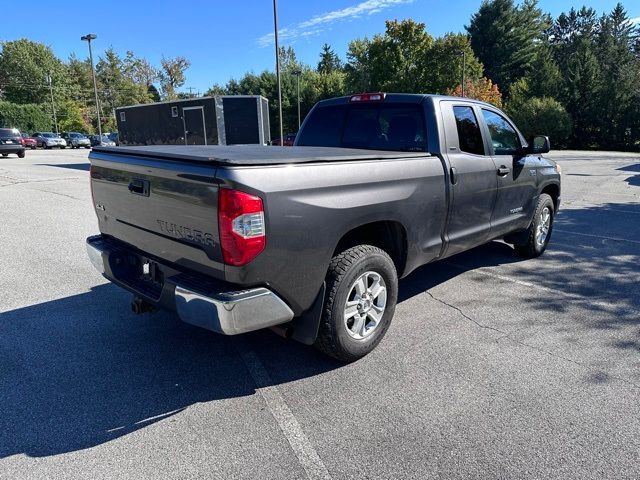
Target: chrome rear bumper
<point>224,310</point>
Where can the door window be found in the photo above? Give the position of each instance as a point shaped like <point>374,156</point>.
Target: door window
<point>469,136</point>
<point>503,136</point>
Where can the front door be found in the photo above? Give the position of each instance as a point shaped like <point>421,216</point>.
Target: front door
<point>517,182</point>
<point>472,179</point>
<point>194,126</point>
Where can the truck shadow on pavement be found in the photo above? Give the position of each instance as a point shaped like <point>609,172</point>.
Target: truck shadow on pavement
<point>635,179</point>
<point>82,370</point>
<point>74,166</point>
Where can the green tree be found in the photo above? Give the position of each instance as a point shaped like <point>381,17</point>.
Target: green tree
<point>79,80</point>
<point>504,37</point>
<point>544,78</point>
<point>359,67</point>
<point>393,62</point>
<point>538,115</point>
<point>172,75</point>
<point>329,61</point>
<point>620,76</point>
<point>24,68</point>
<point>72,118</point>
<point>115,88</point>
<point>445,63</point>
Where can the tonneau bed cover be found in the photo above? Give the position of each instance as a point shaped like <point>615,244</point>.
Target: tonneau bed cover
<point>254,154</point>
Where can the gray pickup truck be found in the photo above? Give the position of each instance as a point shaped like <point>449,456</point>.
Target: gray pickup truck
<point>311,239</point>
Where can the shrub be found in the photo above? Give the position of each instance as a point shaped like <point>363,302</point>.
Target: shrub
<point>541,116</point>
<point>28,117</point>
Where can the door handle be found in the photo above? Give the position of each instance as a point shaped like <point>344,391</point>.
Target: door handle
<point>139,187</point>
<point>453,175</point>
<point>502,171</point>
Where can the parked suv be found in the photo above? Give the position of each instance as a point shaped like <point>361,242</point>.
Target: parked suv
<point>11,142</point>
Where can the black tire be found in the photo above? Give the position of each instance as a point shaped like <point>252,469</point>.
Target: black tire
<point>530,247</point>
<point>5,154</point>
<point>21,154</point>
<point>344,269</point>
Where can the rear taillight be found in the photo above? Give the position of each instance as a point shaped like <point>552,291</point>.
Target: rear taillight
<point>241,223</point>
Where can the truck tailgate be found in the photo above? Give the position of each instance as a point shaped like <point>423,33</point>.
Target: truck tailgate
<point>164,208</point>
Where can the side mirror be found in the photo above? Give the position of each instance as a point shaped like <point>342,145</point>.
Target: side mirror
<point>539,144</point>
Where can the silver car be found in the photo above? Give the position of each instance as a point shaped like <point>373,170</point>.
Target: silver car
<point>49,140</point>
<point>77,140</point>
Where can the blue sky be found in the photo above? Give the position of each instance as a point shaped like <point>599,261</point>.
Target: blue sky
<point>225,39</point>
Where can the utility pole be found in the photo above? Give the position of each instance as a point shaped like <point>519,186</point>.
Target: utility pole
<point>88,39</point>
<point>275,26</point>
<point>464,68</point>
<point>297,73</point>
<point>191,89</point>
<point>53,105</point>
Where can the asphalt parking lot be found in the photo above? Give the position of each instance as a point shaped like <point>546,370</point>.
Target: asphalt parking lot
<point>494,367</point>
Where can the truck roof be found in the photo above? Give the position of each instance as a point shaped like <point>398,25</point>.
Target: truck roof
<point>403,98</point>
<point>251,155</point>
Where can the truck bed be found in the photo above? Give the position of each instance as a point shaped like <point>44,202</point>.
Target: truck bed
<point>254,154</point>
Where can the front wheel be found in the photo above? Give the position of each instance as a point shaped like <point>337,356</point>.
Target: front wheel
<point>538,234</point>
<point>21,154</point>
<point>362,291</point>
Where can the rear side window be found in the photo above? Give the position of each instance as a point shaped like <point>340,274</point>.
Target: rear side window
<point>376,126</point>
<point>503,136</point>
<point>469,136</point>
<point>324,127</point>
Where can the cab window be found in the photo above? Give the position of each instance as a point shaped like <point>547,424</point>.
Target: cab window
<point>469,136</point>
<point>504,138</point>
<point>377,126</point>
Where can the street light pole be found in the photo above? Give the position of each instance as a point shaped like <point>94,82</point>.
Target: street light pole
<point>464,68</point>
<point>53,105</point>
<point>275,26</point>
<point>88,38</point>
<point>297,73</point>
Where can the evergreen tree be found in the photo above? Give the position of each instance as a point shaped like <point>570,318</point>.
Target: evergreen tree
<point>504,38</point>
<point>329,61</point>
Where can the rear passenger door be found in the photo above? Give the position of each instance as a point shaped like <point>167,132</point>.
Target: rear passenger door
<point>516,174</point>
<point>472,178</point>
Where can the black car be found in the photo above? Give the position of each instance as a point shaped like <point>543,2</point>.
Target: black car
<point>104,142</point>
<point>10,142</point>
<point>114,138</point>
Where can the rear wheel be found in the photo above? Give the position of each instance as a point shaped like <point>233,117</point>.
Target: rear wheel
<point>21,154</point>
<point>362,290</point>
<point>5,154</point>
<point>538,234</point>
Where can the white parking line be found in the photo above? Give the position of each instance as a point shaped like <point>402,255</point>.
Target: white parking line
<point>307,455</point>
<point>512,280</point>
<point>615,239</point>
